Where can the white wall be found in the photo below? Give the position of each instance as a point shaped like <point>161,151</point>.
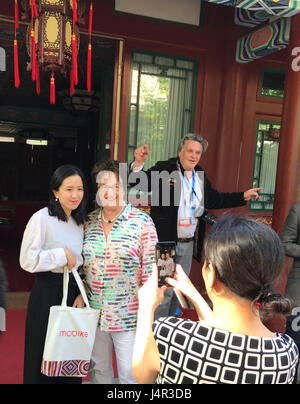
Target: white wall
<point>181,11</point>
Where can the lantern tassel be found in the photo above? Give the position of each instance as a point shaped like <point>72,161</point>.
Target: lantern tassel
<point>74,45</point>
<point>16,14</point>
<point>89,61</point>
<point>89,68</point>
<point>91,18</point>
<point>72,89</point>
<point>74,12</point>
<point>52,89</point>
<point>37,81</point>
<point>34,12</point>
<point>33,57</point>
<point>16,64</point>
<point>74,50</point>
<point>16,57</point>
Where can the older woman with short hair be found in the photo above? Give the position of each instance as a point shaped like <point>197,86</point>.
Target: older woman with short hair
<point>119,250</point>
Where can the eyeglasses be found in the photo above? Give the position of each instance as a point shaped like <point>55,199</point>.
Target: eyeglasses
<point>104,188</point>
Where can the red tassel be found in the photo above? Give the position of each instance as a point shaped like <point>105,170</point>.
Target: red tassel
<point>91,18</point>
<point>89,61</point>
<point>74,12</point>
<point>16,57</point>
<point>35,9</point>
<point>16,64</point>
<point>16,14</point>
<point>52,89</point>
<point>89,68</point>
<point>37,81</point>
<point>33,57</point>
<point>74,45</point>
<point>34,12</point>
<point>74,50</point>
<point>72,89</point>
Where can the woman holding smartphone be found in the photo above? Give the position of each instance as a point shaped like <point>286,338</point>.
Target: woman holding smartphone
<point>230,343</point>
<point>53,239</point>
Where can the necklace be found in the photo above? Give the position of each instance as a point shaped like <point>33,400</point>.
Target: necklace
<point>114,218</point>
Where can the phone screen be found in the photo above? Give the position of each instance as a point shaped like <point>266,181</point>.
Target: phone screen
<point>166,264</point>
<point>165,260</point>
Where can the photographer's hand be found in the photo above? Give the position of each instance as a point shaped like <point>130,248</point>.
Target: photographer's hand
<point>146,359</point>
<point>182,283</point>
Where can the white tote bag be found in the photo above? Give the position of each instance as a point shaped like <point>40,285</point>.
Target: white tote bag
<point>70,336</point>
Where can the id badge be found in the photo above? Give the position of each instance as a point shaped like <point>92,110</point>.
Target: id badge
<point>193,220</point>
<point>184,222</point>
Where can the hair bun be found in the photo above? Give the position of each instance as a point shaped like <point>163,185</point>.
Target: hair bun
<point>270,302</point>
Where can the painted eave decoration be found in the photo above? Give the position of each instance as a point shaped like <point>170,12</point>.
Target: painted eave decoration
<point>268,39</point>
<point>262,42</point>
<point>254,12</point>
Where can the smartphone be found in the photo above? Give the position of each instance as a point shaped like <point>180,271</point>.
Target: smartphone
<point>166,263</point>
<point>165,252</point>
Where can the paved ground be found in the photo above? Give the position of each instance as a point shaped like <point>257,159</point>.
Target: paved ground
<point>17,300</point>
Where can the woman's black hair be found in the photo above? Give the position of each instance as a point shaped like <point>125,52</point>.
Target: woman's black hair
<point>248,259</point>
<point>54,207</point>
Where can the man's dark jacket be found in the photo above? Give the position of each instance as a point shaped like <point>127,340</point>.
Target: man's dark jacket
<point>290,238</point>
<point>165,217</point>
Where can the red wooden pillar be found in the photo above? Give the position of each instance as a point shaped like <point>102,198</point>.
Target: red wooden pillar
<point>288,168</point>
<point>289,148</point>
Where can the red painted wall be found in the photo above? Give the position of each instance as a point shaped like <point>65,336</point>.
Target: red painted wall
<point>227,104</point>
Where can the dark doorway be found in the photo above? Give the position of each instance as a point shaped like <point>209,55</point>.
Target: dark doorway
<point>36,137</point>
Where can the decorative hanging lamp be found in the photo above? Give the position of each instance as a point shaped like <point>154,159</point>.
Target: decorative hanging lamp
<point>52,39</point>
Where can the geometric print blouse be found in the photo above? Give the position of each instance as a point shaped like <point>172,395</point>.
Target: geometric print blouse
<point>192,352</point>
<point>117,266</point>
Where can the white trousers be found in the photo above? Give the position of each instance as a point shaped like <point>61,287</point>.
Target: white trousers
<point>101,370</point>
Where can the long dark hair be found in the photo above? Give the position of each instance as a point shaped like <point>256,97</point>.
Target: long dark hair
<point>54,207</point>
<point>248,258</point>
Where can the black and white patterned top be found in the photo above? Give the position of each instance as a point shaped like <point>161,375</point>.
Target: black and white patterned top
<point>193,352</point>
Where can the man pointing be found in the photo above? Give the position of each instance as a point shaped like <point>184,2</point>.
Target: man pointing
<point>185,222</point>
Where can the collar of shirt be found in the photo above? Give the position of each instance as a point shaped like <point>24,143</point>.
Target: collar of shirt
<point>126,211</point>
<point>124,214</point>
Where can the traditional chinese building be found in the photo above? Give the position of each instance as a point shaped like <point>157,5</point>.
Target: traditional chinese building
<point>158,70</point>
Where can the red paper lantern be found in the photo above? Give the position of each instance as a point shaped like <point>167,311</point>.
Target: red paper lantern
<point>52,39</point>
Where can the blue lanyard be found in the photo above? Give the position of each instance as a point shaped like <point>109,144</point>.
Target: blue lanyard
<point>188,184</point>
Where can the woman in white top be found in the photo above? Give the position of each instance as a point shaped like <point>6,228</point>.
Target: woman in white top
<point>52,239</point>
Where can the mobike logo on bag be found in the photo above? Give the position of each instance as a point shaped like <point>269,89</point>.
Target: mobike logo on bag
<point>73,333</point>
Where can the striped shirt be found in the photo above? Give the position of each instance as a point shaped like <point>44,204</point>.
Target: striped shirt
<point>115,267</point>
